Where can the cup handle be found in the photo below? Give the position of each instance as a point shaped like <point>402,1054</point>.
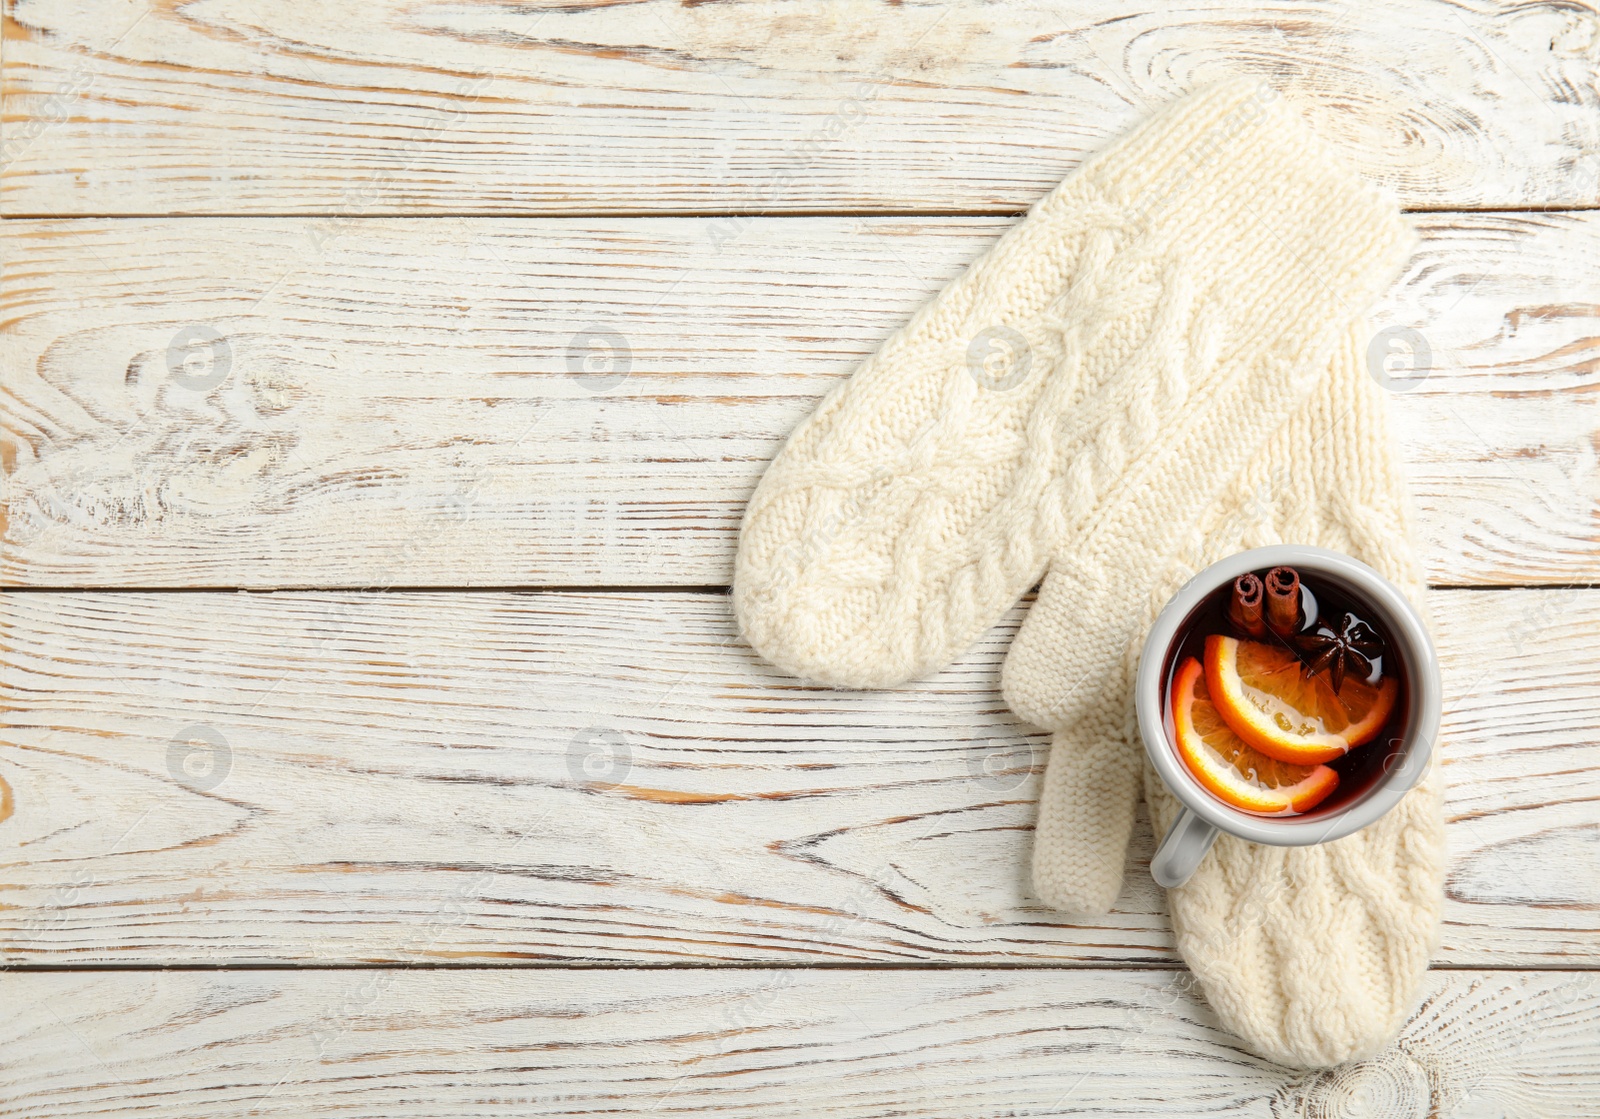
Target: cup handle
<point>1186,843</point>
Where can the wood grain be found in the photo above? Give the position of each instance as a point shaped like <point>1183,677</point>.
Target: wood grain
<point>454,359</point>
<point>836,1044</point>
<point>413,777</point>
<point>304,402</point>
<point>362,107</point>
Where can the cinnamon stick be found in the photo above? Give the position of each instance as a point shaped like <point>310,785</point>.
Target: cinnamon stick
<point>1283,601</point>
<point>1245,605</point>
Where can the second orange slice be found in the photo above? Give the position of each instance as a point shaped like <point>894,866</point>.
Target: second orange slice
<point>1267,699</point>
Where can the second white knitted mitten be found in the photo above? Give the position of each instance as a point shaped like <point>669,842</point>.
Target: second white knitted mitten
<point>1312,955</point>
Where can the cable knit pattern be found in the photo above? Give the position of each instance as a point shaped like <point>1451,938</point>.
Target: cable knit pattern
<point>1313,955</point>
<point>1175,320</point>
<point>1164,300</point>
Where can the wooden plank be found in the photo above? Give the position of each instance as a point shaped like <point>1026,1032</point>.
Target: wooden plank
<point>246,106</point>
<point>589,402</point>
<point>338,777</point>
<point>849,1044</point>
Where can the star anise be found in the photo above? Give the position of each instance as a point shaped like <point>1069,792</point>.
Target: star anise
<point>1351,648</point>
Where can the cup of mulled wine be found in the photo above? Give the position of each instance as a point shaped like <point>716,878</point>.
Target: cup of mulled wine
<point>1287,695</point>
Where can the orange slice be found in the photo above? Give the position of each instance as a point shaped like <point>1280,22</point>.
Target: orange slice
<point>1262,693</point>
<point>1229,768</point>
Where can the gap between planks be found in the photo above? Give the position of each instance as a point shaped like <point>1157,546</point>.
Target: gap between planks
<point>693,965</point>
<point>590,588</point>
<point>708,214</point>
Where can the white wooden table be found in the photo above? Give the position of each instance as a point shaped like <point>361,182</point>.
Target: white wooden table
<point>383,382</point>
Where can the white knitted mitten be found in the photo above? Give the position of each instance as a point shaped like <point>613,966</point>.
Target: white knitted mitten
<point>1312,955</point>
<point>1158,310</point>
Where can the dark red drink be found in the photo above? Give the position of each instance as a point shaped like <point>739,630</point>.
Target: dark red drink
<point>1274,681</point>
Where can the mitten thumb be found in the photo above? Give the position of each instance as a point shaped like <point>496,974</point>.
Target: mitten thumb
<point>1091,788</point>
<point>1071,668</point>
